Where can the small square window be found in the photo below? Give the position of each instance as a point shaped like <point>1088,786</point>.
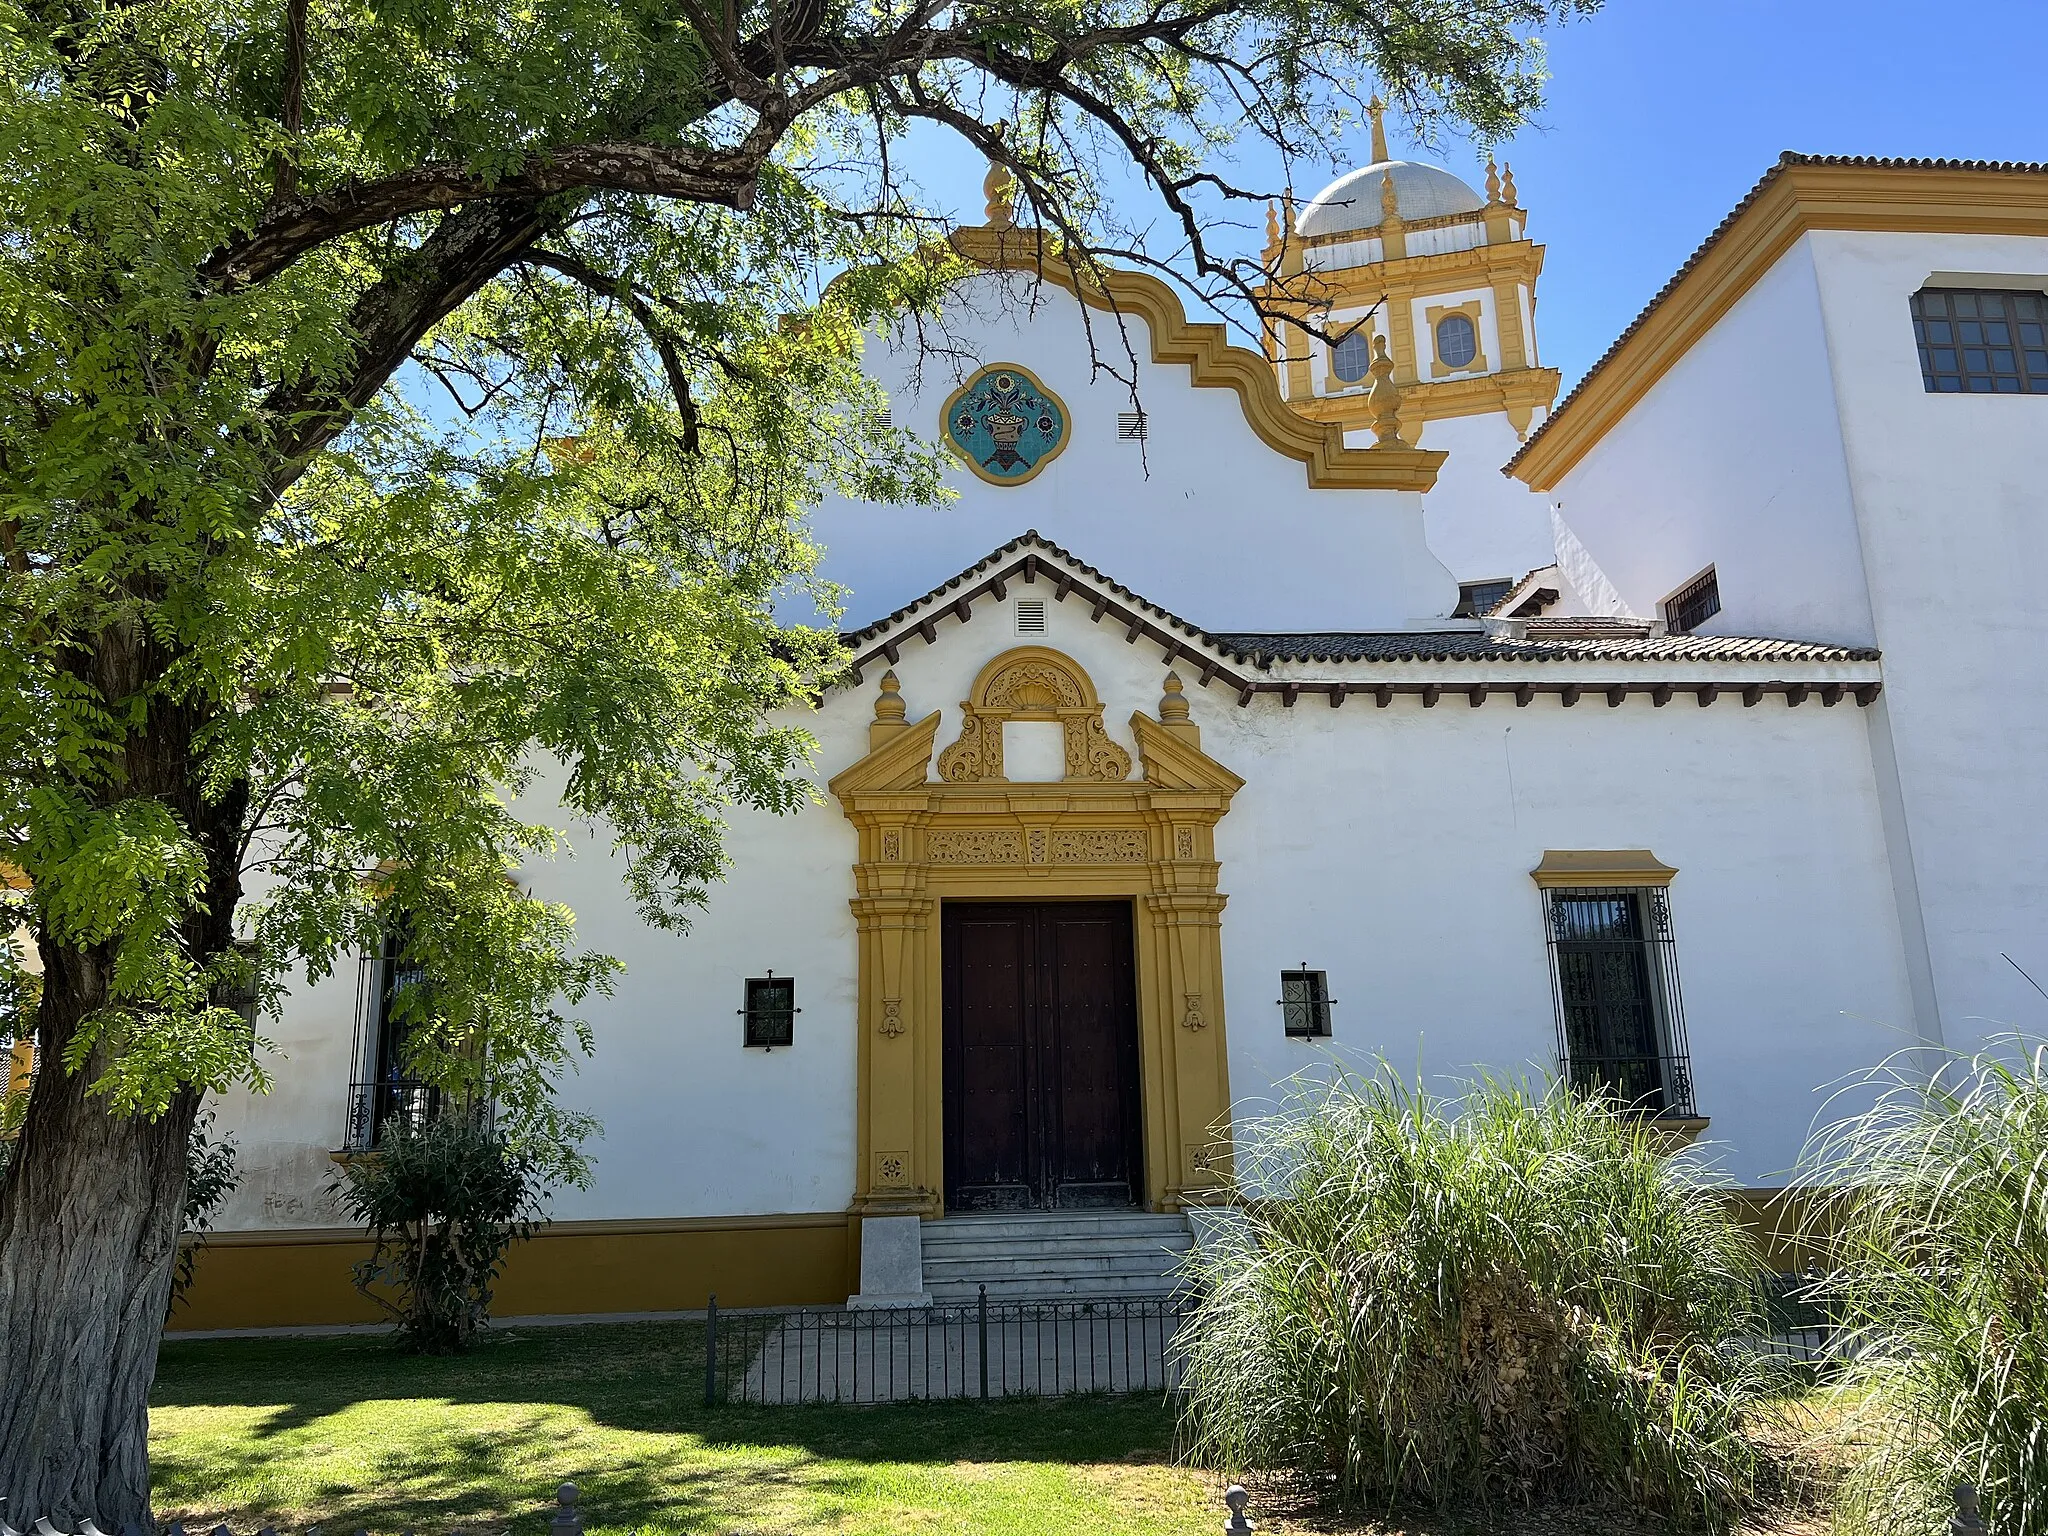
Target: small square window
<point>771,1011</point>
<point>1693,604</point>
<point>1475,598</point>
<point>1305,1004</point>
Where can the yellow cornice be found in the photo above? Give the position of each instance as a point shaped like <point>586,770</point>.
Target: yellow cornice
<point>1410,277</point>
<point>1212,363</point>
<point>1792,200</point>
<point>1439,400</point>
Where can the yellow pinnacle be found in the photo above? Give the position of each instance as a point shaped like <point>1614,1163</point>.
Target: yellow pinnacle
<point>1377,110</point>
<point>999,187</point>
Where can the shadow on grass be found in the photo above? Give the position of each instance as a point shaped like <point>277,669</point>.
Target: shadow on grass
<point>640,1380</point>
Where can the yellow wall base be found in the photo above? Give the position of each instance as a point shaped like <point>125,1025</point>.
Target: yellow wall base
<point>301,1279</point>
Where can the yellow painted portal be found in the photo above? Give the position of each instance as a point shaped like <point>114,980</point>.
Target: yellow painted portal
<point>1098,835</point>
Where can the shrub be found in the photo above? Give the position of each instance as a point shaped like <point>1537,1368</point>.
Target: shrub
<point>1501,1297</point>
<point>210,1177</point>
<point>1933,1206</point>
<point>444,1202</point>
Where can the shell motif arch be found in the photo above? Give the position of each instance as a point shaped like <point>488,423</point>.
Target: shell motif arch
<point>1033,683</point>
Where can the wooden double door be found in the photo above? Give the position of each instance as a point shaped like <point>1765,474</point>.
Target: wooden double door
<point>1041,1056</point>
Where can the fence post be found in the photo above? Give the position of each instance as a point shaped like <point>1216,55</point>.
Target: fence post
<point>568,1519</point>
<point>983,1307</point>
<point>1236,1499</point>
<point>711,1353</point>
<point>1966,1521</point>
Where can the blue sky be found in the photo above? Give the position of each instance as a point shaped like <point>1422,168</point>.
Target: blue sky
<point>1662,115</point>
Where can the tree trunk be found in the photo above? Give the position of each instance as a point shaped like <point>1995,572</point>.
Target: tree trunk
<point>89,1221</point>
<point>92,1205</point>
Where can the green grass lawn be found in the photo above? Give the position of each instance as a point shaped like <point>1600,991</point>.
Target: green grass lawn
<point>350,1433</point>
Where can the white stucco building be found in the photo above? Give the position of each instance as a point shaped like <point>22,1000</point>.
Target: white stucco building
<point>1697,756</point>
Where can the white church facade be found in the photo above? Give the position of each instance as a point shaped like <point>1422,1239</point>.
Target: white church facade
<point>1260,722</point>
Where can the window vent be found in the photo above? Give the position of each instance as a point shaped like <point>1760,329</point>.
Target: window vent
<point>771,1011</point>
<point>1693,604</point>
<point>1132,426</point>
<point>881,421</point>
<point>1305,1004</point>
<point>1030,616</point>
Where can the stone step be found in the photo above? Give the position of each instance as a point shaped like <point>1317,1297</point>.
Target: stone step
<point>1054,1255</point>
<point>1015,1266</point>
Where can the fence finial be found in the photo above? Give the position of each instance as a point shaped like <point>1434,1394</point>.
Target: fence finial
<point>1236,1498</point>
<point>1967,1520</point>
<point>568,1519</point>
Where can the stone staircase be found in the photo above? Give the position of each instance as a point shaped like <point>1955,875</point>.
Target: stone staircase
<point>1051,1255</point>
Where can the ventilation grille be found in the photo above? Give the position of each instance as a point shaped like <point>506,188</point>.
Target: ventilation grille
<point>880,421</point>
<point>1030,616</point>
<point>1132,426</point>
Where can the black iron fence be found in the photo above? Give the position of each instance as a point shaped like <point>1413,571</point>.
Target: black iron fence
<point>977,1349</point>
<point>1801,1322</point>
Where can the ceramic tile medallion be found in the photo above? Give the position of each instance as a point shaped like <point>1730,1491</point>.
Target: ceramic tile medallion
<point>1006,424</point>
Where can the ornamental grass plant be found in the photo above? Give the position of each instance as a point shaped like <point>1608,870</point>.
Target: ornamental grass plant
<point>1933,1205</point>
<point>1510,1297</point>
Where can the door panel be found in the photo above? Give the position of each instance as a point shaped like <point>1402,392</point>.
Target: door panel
<point>1041,1056</point>
<point>990,966</point>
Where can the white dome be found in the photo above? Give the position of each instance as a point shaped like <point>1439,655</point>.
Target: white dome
<point>1353,202</point>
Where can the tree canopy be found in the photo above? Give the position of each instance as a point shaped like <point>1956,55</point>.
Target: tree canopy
<point>406,405</point>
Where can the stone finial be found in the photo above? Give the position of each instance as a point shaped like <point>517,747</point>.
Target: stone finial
<point>1272,230</point>
<point>568,1519</point>
<point>1492,179</point>
<point>1173,711</point>
<point>1173,704</point>
<point>1376,109</point>
<point>1390,200</point>
<point>1384,399</point>
<point>1507,185</point>
<point>889,711</point>
<point>1235,1500</point>
<point>999,186</point>
<point>1290,249</point>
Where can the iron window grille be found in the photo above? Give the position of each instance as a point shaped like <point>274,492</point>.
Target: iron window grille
<point>1693,604</point>
<point>386,1091</point>
<point>1475,598</point>
<point>1305,1004</point>
<point>1614,977</point>
<point>771,1011</point>
<point>1351,358</point>
<point>1981,342</point>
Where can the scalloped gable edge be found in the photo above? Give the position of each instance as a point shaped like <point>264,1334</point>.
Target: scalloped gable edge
<point>1212,361</point>
<point>1798,194</point>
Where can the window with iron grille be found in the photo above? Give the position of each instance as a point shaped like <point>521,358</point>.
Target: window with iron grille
<point>1305,1004</point>
<point>1981,342</point>
<point>1351,358</point>
<point>392,999</point>
<point>771,1011</point>
<point>1614,972</point>
<point>1693,604</point>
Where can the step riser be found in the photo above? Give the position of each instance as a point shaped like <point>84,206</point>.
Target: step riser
<point>1058,1256</point>
<point>994,1253</point>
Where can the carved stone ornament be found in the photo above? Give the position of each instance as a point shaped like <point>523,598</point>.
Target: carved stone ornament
<point>1033,683</point>
<point>1191,1017</point>
<point>892,1017</point>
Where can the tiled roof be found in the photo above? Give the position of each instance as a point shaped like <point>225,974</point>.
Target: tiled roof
<point>1466,645</point>
<point>1786,160</point>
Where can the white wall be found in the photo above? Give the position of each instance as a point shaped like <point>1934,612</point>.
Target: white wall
<point>1951,495</point>
<point>1479,522</point>
<point>1203,518</point>
<point>1388,846</point>
<point>1734,459</point>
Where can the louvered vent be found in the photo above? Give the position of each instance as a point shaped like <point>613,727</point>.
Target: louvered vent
<point>1131,426</point>
<point>882,420</point>
<point>1030,616</point>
